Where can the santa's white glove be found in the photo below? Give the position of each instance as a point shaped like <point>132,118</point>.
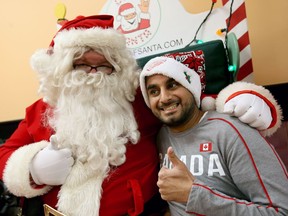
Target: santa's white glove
<point>250,109</point>
<point>51,166</point>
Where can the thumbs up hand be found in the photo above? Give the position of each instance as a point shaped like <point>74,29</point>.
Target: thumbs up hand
<point>175,184</point>
<point>51,165</point>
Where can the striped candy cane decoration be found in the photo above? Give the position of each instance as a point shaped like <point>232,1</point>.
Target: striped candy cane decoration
<point>238,25</point>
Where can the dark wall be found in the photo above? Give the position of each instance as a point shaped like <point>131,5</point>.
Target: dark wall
<point>7,128</point>
<point>280,92</point>
<point>280,138</point>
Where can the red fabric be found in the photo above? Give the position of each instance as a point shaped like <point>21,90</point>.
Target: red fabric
<point>194,60</point>
<point>102,21</point>
<point>141,165</point>
<point>138,198</point>
<point>214,96</point>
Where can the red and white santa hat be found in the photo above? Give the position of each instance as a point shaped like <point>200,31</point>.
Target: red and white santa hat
<point>83,31</point>
<point>95,31</point>
<point>171,68</point>
<point>126,8</point>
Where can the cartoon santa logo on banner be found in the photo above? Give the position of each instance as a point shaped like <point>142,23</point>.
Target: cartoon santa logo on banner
<point>150,28</point>
<point>130,20</point>
<point>137,19</point>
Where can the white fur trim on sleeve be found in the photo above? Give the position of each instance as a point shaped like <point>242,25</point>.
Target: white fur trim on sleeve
<point>16,174</point>
<point>265,94</point>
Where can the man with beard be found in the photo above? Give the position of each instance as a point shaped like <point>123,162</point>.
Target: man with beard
<point>213,164</point>
<point>88,147</point>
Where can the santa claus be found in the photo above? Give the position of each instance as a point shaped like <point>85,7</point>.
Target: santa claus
<point>88,147</point>
<point>130,20</point>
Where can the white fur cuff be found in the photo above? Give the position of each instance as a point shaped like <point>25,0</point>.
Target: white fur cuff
<point>16,175</point>
<point>237,88</point>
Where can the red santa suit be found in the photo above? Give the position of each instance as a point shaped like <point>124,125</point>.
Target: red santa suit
<point>129,185</point>
<point>125,190</point>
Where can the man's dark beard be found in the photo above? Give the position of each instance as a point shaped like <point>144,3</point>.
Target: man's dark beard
<point>185,117</point>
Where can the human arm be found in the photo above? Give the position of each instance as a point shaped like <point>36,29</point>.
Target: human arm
<point>16,154</point>
<point>51,165</point>
<point>255,180</point>
<point>18,151</point>
<point>252,104</point>
<point>175,183</point>
<point>179,185</point>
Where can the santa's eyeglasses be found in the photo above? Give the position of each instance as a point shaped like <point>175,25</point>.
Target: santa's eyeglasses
<point>88,68</point>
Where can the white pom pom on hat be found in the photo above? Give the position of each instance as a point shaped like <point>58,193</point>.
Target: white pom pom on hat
<point>208,102</point>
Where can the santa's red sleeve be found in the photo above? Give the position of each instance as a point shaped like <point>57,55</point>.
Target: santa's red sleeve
<point>18,151</point>
<point>240,87</point>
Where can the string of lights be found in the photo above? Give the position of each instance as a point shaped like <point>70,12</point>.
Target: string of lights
<point>219,31</point>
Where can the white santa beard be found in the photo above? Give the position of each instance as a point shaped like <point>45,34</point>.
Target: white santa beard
<point>130,24</point>
<point>95,120</point>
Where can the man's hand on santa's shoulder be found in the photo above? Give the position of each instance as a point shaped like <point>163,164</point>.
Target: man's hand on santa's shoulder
<point>51,166</point>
